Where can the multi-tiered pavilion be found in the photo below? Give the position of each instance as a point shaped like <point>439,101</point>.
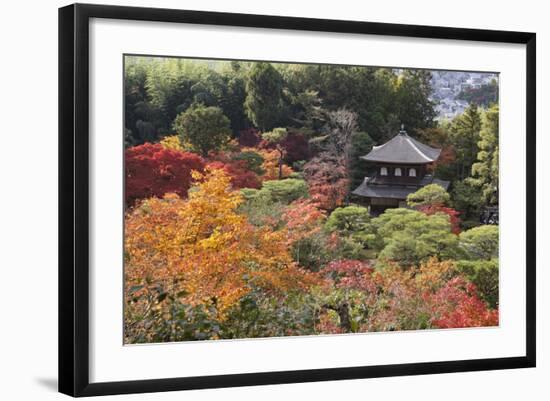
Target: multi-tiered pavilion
<point>397,168</point>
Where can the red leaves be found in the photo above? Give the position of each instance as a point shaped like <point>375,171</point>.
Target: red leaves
<point>152,170</point>
<point>327,179</point>
<point>452,213</point>
<point>240,176</point>
<point>303,218</point>
<point>456,304</point>
<point>203,249</point>
<point>352,274</point>
<point>204,246</point>
<point>296,148</point>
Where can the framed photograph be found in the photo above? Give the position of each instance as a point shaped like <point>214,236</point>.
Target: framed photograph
<point>250,199</point>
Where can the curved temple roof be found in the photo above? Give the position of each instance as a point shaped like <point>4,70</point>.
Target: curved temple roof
<point>403,149</point>
<point>366,188</point>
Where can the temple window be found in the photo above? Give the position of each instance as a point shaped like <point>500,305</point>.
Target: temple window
<point>412,172</point>
<point>397,172</point>
<point>383,171</point>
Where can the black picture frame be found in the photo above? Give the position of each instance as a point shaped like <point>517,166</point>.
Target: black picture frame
<point>74,198</point>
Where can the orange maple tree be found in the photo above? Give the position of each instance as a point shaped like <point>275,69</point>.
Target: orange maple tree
<point>303,218</point>
<point>203,252</point>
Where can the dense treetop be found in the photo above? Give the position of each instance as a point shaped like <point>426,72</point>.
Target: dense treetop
<point>267,95</point>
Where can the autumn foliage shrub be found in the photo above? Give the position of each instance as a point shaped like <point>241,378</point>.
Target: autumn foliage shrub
<point>352,274</point>
<point>151,170</point>
<point>357,297</point>
<point>241,176</point>
<point>172,142</point>
<point>303,218</point>
<point>457,304</point>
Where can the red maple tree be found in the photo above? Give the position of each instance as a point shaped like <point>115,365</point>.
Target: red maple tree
<point>152,170</point>
<point>327,179</point>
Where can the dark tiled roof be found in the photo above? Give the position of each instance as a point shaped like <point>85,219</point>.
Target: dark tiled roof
<point>394,180</point>
<point>383,191</point>
<point>428,179</point>
<point>403,149</point>
<point>367,189</point>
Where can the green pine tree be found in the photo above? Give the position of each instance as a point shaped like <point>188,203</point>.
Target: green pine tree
<point>264,103</point>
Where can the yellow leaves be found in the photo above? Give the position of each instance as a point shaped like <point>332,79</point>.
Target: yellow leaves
<point>433,274</point>
<point>429,277</point>
<point>203,248</point>
<point>270,166</point>
<point>174,142</point>
<point>171,142</point>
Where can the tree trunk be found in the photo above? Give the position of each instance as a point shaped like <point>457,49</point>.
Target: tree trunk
<point>281,154</point>
<point>345,321</point>
<point>343,314</point>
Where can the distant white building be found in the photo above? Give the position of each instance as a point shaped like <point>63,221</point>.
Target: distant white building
<point>447,85</point>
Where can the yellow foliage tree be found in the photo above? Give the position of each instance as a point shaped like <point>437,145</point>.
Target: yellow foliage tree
<point>271,165</point>
<point>203,252</point>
